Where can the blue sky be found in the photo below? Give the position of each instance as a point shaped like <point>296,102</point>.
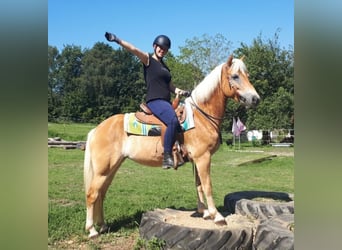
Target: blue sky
<point>84,22</point>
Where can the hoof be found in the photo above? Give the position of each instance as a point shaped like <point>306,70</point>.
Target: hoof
<point>220,220</point>
<point>92,233</point>
<point>206,215</point>
<point>221,223</point>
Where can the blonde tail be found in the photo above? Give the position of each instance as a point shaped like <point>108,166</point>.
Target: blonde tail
<point>88,167</point>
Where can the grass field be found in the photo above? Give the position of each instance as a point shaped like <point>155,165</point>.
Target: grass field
<point>137,189</point>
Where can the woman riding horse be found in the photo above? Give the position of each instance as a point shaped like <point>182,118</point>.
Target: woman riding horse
<point>159,85</point>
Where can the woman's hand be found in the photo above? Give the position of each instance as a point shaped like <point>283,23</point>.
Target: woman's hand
<point>185,93</point>
<point>181,92</point>
<point>112,38</point>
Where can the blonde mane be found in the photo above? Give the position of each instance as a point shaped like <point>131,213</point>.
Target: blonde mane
<point>204,89</point>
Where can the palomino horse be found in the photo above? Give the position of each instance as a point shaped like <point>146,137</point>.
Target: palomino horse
<point>108,145</point>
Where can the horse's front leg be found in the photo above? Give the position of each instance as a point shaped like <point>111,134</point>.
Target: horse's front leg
<point>200,195</point>
<point>203,168</point>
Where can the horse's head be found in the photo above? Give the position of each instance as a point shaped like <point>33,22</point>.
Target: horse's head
<point>235,83</point>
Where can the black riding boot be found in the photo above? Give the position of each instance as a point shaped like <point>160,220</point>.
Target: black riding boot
<point>168,160</point>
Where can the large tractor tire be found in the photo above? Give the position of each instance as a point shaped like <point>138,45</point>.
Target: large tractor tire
<point>275,233</point>
<point>183,230</point>
<point>242,203</point>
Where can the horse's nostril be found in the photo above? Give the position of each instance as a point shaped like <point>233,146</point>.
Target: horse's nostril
<point>255,100</point>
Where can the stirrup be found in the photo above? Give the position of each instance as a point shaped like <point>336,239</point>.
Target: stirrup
<point>178,159</point>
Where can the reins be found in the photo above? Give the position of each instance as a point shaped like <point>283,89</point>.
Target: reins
<point>209,117</point>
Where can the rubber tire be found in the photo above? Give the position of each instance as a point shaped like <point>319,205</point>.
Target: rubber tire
<point>241,203</point>
<point>153,225</point>
<point>275,233</point>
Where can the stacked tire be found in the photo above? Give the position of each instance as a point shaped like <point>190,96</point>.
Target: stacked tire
<point>154,224</point>
<point>271,227</point>
<point>275,233</point>
<point>274,220</point>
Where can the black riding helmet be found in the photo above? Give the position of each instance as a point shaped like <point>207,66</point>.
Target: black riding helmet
<point>162,41</point>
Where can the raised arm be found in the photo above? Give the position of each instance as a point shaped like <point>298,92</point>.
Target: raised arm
<point>143,56</point>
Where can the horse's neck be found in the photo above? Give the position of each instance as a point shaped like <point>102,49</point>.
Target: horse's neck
<point>215,106</point>
<point>215,102</point>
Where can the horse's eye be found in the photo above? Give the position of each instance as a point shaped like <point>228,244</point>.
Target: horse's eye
<point>235,77</point>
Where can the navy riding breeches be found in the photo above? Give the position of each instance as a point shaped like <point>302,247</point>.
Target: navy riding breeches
<point>165,112</point>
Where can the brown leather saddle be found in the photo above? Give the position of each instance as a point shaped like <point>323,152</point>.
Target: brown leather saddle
<point>146,116</point>
<point>180,154</point>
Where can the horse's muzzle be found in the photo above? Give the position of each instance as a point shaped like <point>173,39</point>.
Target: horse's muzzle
<point>255,101</point>
<point>250,99</point>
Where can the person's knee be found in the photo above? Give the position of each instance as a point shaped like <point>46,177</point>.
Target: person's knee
<point>174,122</point>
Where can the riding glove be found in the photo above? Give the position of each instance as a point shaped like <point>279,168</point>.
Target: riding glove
<point>185,93</point>
<point>112,38</point>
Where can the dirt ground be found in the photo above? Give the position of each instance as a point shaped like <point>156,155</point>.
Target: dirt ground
<point>278,153</point>
<point>117,243</point>
<point>189,219</point>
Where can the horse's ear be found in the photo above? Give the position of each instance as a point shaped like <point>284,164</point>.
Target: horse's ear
<point>230,60</point>
<point>242,57</point>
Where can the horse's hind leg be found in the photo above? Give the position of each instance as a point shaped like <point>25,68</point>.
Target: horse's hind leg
<point>95,198</point>
<point>95,205</point>
<point>100,215</point>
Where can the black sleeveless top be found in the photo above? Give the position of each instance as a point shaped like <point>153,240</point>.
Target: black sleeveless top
<point>157,77</point>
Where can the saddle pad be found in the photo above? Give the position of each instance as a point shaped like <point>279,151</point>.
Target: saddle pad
<point>133,126</point>
<point>189,120</point>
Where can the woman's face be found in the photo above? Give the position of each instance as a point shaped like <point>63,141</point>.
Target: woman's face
<point>159,51</point>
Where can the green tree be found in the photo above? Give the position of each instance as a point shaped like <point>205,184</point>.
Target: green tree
<point>270,66</point>
<point>276,112</point>
<point>54,97</point>
<point>182,73</point>
<point>129,81</point>
<point>112,81</point>
<point>271,70</point>
<point>69,71</point>
<point>205,53</point>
